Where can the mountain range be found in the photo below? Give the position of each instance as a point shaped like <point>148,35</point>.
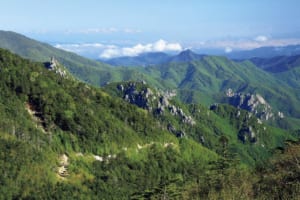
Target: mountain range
<point>186,127</point>
<point>266,52</point>
<point>150,59</point>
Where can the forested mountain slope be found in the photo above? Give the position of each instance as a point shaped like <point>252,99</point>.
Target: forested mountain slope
<point>61,138</point>
<point>87,70</point>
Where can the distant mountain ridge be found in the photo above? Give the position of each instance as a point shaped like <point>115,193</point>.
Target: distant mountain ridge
<point>141,60</point>
<point>42,52</point>
<point>186,56</point>
<point>91,71</point>
<point>154,58</point>
<point>265,52</point>
<point>277,64</point>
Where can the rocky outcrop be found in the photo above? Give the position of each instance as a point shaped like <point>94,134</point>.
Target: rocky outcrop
<point>152,100</point>
<point>178,112</point>
<point>54,65</point>
<point>178,133</point>
<point>63,166</point>
<point>249,128</point>
<point>140,96</point>
<point>253,103</point>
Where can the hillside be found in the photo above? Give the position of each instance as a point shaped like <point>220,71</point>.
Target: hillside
<point>48,116</point>
<point>198,122</point>
<point>87,70</point>
<point>277,64</point>
<point>291,77</point>
<point>206,80</point>
<point>284,68</point>
<point>61,138</point>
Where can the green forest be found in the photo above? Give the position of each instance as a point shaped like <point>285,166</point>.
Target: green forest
<point>61,138</point>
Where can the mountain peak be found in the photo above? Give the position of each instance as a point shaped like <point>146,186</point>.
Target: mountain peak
<point>186,56</point>
<point>187,51</point>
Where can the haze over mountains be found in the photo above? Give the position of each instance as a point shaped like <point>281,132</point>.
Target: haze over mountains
<point>182,126</point>
<point>266,52</point>
<point>161,57</point>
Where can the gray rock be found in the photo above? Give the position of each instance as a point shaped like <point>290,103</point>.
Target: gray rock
<point>253,103</point>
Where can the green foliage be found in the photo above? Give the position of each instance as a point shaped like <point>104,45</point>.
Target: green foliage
<point>206,80</point>
<point>280,178</point>
<point>116,150</point>
<point>250,139</point>
<point>26,170</point>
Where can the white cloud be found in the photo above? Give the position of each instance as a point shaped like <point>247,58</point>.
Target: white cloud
<point>84,48</point>
<point>106,51</point>
<point>246,44</point>
<point>109,53</point>
<point>162,45</point>
<point>90,50</point>
<point>83,45</point>
<point>261,38</point>
<point>94,45</point>
<point>228,50</point>
<point>159,46</point>
<point>135,50</point>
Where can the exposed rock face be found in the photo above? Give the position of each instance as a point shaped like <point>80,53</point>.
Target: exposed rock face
<point>280,115</point>
<point>229,93</point>
<point>63,166</point>
<point>141,97</point>
<point>154,101</point>
<point>54,65</point>
<point>253,103</point>
<point>249,127</point>
<point>173,130</point>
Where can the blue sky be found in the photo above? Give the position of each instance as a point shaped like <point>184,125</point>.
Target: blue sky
<point>227,24</point>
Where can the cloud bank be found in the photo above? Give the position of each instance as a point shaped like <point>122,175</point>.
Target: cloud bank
<point>158,46</point>
<point>98,50</point>
<point>228,50</point>
<point>246,44</point>
<point>261,38</point>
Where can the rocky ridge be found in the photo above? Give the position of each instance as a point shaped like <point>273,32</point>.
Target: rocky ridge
<point>54,65</point>
<point>253,103</point>
<point>250,128</point>
<point>155,101</point>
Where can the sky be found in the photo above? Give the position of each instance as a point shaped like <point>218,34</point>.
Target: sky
<point>105,29</point>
